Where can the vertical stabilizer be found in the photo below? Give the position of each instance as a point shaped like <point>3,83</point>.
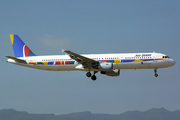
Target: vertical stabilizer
<point>19,47</point>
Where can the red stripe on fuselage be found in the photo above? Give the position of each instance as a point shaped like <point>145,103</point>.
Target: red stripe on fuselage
<point>66,62</point>
<point>59,62</point>
<point>103,60</point>
<point>34,63</point>
<point>158,59</point>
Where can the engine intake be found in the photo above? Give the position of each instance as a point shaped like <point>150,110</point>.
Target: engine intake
<point>105,66</point>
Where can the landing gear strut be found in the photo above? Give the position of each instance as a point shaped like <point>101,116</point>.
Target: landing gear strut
<point>155,73</point>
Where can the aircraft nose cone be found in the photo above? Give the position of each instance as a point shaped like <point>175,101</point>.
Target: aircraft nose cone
<point>172,62</point>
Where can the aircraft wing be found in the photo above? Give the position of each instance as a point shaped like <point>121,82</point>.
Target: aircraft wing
<point>86,62</point>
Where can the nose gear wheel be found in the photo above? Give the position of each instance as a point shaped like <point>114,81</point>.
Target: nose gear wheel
<point>155,73</point>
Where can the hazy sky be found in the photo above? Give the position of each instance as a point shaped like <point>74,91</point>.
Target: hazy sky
<point>90,26</point>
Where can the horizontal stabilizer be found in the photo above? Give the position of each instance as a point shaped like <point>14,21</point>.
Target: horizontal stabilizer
<point>16,59</point>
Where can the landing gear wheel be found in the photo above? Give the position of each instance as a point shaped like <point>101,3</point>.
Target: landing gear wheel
<point>93,77</point>
<point>88,74</point>
<point>155,71</point>
<point>156,75</point>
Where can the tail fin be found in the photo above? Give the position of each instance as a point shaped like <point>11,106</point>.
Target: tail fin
<point>19,47</point>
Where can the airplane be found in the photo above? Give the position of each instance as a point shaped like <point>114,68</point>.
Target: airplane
<point>107,64</point>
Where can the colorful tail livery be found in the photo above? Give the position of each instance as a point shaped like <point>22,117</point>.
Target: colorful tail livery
<point>19,47</point>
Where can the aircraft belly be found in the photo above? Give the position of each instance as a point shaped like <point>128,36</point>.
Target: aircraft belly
<point>142,65</point>
<point>160,64</point>
<point>134,65</point>
<point>57,67</point>
<point>50,67</point>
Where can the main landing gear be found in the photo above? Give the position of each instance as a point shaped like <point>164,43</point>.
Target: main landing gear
<point>155,73</point>
<point>93,77</point>
<point>88,74</point>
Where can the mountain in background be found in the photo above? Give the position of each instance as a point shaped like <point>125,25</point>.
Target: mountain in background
<point>152,114</point>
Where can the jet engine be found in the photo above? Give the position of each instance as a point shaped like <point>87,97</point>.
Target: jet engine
<point>104,66</point>
<point>115,72</point>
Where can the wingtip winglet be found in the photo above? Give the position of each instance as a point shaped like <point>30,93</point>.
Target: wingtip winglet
<point>62,50</point>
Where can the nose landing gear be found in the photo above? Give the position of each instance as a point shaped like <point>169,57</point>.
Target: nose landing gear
<point>155,73</point>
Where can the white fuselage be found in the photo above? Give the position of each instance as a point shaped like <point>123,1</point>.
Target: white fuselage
<point>120,61</point>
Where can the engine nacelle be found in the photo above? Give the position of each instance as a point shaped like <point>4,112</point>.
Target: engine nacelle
<point>104,66</point>
<point>115,72</point>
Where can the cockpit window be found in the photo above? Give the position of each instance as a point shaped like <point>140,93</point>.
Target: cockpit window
<point>165,57</point>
